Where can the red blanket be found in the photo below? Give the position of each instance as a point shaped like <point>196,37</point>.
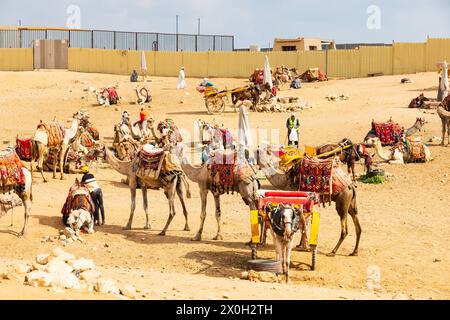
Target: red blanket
<point>388,132</point>
<point>78,198</point>
<point>23,149</point>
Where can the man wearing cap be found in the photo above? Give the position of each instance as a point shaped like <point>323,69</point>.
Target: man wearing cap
<point>293,124</point>
<point>89,182</point>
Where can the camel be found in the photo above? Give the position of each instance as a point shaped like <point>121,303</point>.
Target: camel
<point>416,127</point>
<point>177,185</point>
<point>141,132</point>
<point>445,118</point>
<point>398,155</point>
<point>143,95</point>
<point>40,148</point>
<point>348,156</point>
<point>345,200</point>
<point>24,192</point>
<point>202,176</point>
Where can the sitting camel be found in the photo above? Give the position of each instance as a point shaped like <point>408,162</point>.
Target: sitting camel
<point>173,183</point>
<point>202,176</point>
<point>401,153</point>
<point>416,127</point>
<point>21,183</point>
<point>345,200</point>
<point>44,142</point>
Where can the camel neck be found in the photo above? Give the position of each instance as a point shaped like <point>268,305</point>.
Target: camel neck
<point>120,166</point>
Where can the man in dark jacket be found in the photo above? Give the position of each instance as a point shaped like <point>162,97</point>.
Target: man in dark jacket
<point>89,182</point>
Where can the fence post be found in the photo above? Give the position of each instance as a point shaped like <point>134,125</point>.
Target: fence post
<point>214,43</point>
<point>177,42</point>
<point>92,39</point>
<point>69,38</point>
<point>196,44</point>
<point>136,41</point>
<point>114,40</point>
<point>20,38</point>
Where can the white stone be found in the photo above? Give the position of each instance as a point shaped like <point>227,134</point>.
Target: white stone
<point>39,279</point>
<point>69,281</point>
<point>82,264</point>
<point>43,258</point>
<point>106,286</point>
<point>62,255</point>
<point>128,291</point>
<point>90,276</point>
<point>62,237</point>
<point>58,267</point>
<point>22,268</point>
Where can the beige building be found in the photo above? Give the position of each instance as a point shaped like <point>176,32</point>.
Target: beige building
<point>299,44</point>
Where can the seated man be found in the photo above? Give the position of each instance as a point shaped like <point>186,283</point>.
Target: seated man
<point>134,76</point>
<point>296,83</point>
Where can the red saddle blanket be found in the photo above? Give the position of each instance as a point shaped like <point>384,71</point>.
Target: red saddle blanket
<point>78,198</point>
<point>23,149</point>
<point>87,140</point>
<point>388,132</point>
<point>149,164</point>
<point>226,172</point>
<point>11,170</point>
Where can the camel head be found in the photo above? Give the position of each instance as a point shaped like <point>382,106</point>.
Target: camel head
<point>420,122</point>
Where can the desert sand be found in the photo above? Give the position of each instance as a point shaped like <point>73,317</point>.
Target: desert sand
<point>405,220</point>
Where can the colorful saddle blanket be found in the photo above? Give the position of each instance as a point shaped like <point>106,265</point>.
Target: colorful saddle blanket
<point>23,149</point>
<point>93,132</point>
<point>149,162</point>
<point>87,140</point>
<point>389,132</point>
<point>78,198</point>
<point>226,172</point>
<point>414,149</point>
<point>172,130</point>
<point>11,173</point>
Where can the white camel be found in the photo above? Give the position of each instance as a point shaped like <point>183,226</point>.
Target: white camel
<point>397,155</point>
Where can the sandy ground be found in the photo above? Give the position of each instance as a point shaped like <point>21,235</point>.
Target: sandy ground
<point>405,221</point>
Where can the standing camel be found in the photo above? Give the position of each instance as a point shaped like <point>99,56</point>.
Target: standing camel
<point>202,176</point>
<point>345,200</point>
<point>176,185</point>
<point>445,118</point>
<point>23,190</point>
<point>40,146</point>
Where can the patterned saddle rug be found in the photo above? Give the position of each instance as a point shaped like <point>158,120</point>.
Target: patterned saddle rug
<point>226,172</point>
<point>168,127</point>
<point>11,174</point>
<point>388,132</point>
<point>78,198</point>
<point>414,149</point>
<point>23,149</point>
<point>51,134</point>
<point>149,162</point>
<point>324,177</point>
<point>87,140</point>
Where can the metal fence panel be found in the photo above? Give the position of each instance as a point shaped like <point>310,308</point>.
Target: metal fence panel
<point>167,42</point>
<point>103,39</point>
<point>80,39</point>
<point>28,36</point>
<point>186,42</point>
<point>10,39</point>
<point>223,43</point>
<point>147,41</point>
<point>205,43</point>
<point>57,35</point>
<point>125,40</point>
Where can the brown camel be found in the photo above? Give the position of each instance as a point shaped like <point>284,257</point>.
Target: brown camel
<point>202,176</point>
<point>445,118</point>
<point>175,185</point>
<point>345,200</point>
<point>24,192</point>
<point>40,147</point>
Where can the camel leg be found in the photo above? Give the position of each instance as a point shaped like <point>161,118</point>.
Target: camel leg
<point>342,207</point>
<point>443,130</point>
<point>27,205</point>
<point>40,162</point>
<point>203,196</point>
<point>145,200</point>
<point>133,186</point>
<point>61,161</point>
<point>358,233</point>
<point>181,195</point>
<point>54,162</point>
<point>218,217</point>
<point>170,194</point>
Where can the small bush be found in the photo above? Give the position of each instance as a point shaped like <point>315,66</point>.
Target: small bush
<point>372,180</point>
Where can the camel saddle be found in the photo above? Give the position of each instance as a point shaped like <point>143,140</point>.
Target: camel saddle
<point>149,162</point>
<point>87,140</point>
<point>414,149</point>
<point>51,134</point>
<point>11,174</point>
<point>78,198</point>
<point>226,172</point>
<point>388,132</point>
<point>23,149</point>
<point>324,177</point>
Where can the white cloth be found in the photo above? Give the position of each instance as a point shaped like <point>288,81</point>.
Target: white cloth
<point>143,62</point>
<point>444,79</point>
<point>181,80</point>
<point>267,73</point>
<point>245,140</point>
<point>293,136</point>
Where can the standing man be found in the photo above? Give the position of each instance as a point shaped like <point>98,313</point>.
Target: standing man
<point>293,125</point>
<point>181,80</point>
<point>89,182</point>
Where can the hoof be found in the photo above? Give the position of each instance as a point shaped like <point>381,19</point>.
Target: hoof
<point>331,254</point>
<point>187,229</point>
<point>303,249</point>
<point>20,235</point>
<point>147,228</point>
<point>354,254</point>
<point>197,238</point>
<point>162,233</point>
<point>127,228</point>
<point>218,238</point>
